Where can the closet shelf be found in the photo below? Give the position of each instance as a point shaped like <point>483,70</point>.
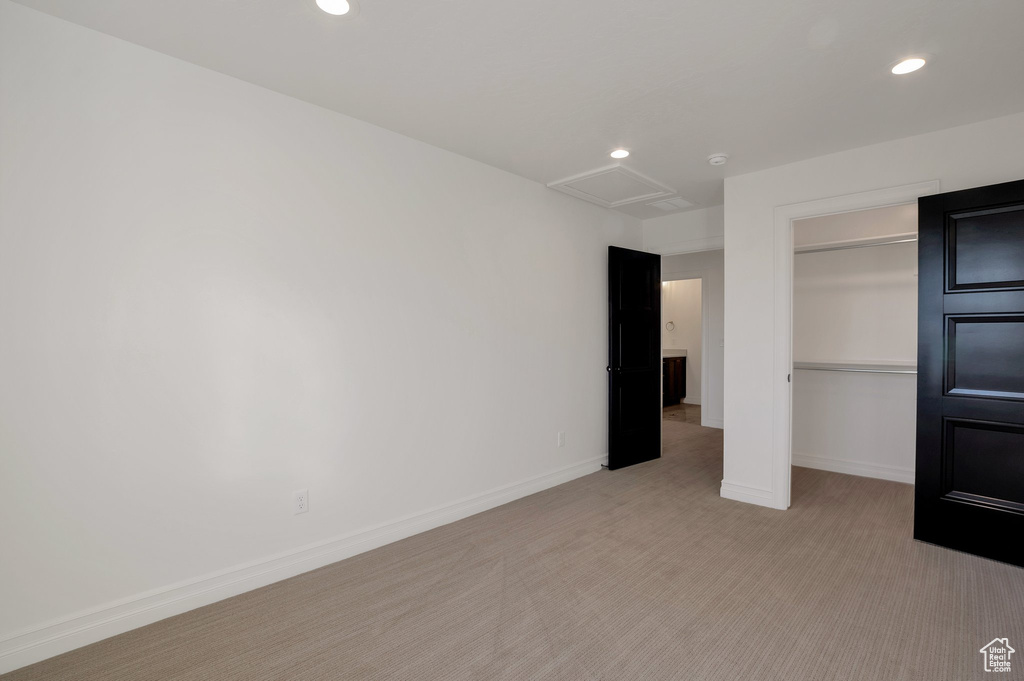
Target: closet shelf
<point>854,367</point>
<point>907,238</point>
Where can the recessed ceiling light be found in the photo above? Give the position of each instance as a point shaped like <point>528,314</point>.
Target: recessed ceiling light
<point>620,153</point>
<point>908,66</point>
<point>335,7</point>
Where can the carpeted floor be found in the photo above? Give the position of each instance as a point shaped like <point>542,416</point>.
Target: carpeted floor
<point>643,573</point>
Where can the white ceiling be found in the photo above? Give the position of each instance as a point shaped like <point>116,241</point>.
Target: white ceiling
<point>547,88</point>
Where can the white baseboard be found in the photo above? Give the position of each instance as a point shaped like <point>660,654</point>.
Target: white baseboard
<point>83,628</point>
<point>691,400</point>
<point>864,469</point>
<point>712,423</point>
<point>751,495</point>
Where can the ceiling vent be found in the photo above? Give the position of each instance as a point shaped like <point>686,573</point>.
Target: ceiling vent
<point>669,205</point>
<point>612,186</point>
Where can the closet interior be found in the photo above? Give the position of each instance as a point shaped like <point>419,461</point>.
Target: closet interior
<point>855,342</point>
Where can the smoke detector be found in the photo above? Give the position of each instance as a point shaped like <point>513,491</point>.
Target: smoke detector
<point>718,159</point>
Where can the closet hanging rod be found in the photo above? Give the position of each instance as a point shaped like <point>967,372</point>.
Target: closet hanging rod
<point>844,247</point>
<point>855,369</point>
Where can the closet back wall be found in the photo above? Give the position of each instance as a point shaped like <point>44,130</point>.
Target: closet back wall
<point>856,306</point>
<point>213,295</point>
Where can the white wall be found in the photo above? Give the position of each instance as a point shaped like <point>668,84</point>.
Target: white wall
<point>860,304</point>
<point>696,230</point>
<point>710,266</point>
<point>681,304</point>
<point>962,157</point>
<point>213,295</point>
<point>856,226</point>
<point>861,424</point>
<point>856,306</point>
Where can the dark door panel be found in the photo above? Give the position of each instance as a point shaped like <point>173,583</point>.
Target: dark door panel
<point>970,412</point>
<point>974,449</point>
<point>985,355</point>
<point>969,302</point>
<point>1002,411</point>
<point>634,357</point>
<point>985,249</point>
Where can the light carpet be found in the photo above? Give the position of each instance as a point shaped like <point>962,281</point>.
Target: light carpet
<point>641,573</point>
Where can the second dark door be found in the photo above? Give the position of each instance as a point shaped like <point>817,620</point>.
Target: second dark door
<point>970,403</point>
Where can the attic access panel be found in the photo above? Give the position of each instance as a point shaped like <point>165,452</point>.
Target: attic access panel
<point>612,186</point>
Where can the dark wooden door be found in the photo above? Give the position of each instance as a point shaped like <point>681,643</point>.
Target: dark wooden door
<point>970,402</point>
<point>634,357</point>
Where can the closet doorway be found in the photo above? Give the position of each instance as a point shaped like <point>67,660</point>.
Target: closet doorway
<point>854,378</point>
<point>786,217</point>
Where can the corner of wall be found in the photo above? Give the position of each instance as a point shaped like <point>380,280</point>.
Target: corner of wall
<point>751,495</point>
<point>688,232</point>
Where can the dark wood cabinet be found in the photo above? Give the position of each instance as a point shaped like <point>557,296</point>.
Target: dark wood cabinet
<point>673,377</point>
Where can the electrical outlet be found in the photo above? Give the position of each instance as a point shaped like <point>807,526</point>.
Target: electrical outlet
<point>301,501</point>
<point>561,439</point>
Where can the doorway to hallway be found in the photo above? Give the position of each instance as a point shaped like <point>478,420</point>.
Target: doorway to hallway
<point>682,349</point>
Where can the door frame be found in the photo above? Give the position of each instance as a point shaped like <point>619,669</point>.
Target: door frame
<point>782,364</point>
<point>705,331</point>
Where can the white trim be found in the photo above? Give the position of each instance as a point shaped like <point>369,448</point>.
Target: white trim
<point>705,331</point>
<point>694,400</point>
<point>711,243</point>
<point>83,628</point>
<point>750,495</point>
<point>861,468</point>
<point>782,402</point>
<point>711,423</point>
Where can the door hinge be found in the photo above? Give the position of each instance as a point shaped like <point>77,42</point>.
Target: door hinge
<point>789,378</point>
